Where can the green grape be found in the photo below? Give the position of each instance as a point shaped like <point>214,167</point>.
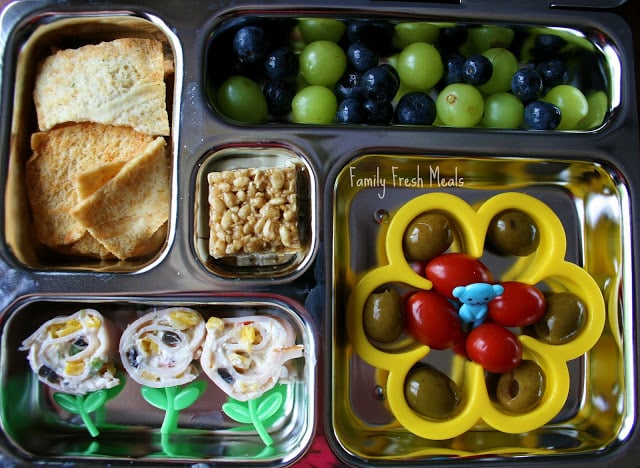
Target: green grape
<point>598,107</point>
<point>486,37</point>
<point>322,63</point>
<point>241,99</point>
<point>407,33</point>
<point>392,60</point>
<point>301,82</point>
<point>504,65</point>
<point>321,29</point>
<point>460,105</point>
<point>420,66</point>
<point>572,103</point>
<point>502,110</point>
<point>314,105</point>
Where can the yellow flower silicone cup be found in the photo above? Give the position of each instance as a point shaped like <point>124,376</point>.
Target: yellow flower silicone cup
<point>546,265</point>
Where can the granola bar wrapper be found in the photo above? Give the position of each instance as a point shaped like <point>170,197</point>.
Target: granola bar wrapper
<point>162,348</point>
<point>75,354</point>
<point>246,356</point>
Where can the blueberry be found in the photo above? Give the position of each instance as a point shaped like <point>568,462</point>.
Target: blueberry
<point>540,115</point>
<point>251,44</point>
<point>279,95</point>
<point>453,63</point>
<point>378,112</point>
<point>376,34</point>
<point>451,38</point>
<point>350,111</point>
<point>477,70</point>
<point>415,108</point>
<point>362,57</point>
<point>526,84</point>
<point>547,45</point>
<point>348,86</point>
<point>379,84</point>
<point>281,64</point>
<point>553,72</point>
<point>392,71</point>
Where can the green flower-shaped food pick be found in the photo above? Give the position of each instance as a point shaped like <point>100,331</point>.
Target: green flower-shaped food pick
<point>172,400</point>
<point>88,403</point>
<point>256,411</point>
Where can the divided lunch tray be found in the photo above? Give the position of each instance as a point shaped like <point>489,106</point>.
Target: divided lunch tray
<point>358,186</point>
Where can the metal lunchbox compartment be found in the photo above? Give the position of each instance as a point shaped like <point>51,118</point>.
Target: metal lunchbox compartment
<point>37,429</point>
<point>52,32</point>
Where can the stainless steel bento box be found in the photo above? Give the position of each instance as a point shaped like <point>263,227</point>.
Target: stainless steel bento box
<point>354,184</point>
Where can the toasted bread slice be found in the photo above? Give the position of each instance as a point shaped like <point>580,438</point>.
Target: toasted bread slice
<point>127,211</point>
<point>120,82</point>
<point>58,157</point>
<point>88,246</point>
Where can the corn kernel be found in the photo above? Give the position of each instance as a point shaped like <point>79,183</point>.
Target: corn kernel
<point>93,322</point>
<point>249,386</point>
<point>58,330</point>
<point>145,374</point>
<point>148,346</point>
<point>239,361</point>
<point>248,334</point>
<point>184,318</point>
<point>215,324</point>
<point>74,368</point>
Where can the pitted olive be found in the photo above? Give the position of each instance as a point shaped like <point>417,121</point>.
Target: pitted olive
<point>563,318</point>
<point>427,236</point>
<point>383,316</point>
<point>521,389</point>
<point>513,232</point>
<point>431,393</point>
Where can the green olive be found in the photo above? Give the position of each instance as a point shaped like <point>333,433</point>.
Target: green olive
<point>563,318</point>
<point>431,393</point>
<point>521,389</point>
<point>427,236</point>
<point>383,316</point>
<point>513,232</point>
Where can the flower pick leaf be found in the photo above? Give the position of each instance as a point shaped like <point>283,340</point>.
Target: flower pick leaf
<point>66,402</point>
<point>188,395</point>
<point>269,406</point>
<point>154,396</point>
<point>94,400</point>
<point>238,412</point>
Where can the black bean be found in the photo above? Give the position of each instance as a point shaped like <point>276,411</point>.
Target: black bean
<point>132,357</point>
<point>226,375</point>
<point>80,342</point>
<point>77,346</point>
<point>170,338</point>
<point>49,374</point>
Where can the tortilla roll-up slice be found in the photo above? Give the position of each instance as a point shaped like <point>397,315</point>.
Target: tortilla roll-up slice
<point>246,356</point>
<point>161,348</point>
<point>75,354</point>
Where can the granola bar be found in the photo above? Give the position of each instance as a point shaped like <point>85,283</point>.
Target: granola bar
<point>253,211</point>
